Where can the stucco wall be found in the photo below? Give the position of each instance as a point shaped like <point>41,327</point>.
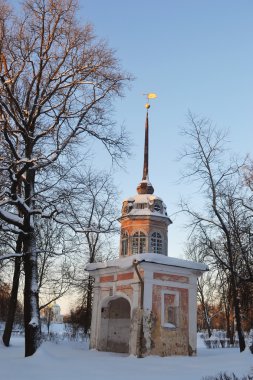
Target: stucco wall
<point>115,330</point>
<point>164,340</point>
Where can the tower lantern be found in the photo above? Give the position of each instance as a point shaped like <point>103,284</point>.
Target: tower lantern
<point>144,220</point>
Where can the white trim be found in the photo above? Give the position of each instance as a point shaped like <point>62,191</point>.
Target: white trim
<point>148,290</point>
<point>192,310</point>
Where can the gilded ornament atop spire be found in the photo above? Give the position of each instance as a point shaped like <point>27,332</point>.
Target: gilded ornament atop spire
<point>145,187</point>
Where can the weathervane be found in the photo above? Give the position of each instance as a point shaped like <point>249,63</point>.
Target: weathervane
<point>150,95</point>
<point>145,187</point>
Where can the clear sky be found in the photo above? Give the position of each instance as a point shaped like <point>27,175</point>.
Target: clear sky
<point>196,55</point>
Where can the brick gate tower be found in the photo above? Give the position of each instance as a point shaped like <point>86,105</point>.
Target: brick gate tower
<point>145,303</point>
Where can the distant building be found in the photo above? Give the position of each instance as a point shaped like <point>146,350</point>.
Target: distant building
<point>52,314</point>
<point>145,302</point>
<point>56,314</point>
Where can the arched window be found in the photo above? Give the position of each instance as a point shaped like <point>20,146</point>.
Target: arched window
<point>138,243</point>
<point>124,243</point>
<point>156,243</point>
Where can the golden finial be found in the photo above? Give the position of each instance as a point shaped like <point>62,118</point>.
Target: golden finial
<point>150,95</point>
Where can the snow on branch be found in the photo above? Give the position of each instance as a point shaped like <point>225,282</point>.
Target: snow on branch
<point>84,229</point>
<point>11,218</point>
<point>10,256</point>
<point>12,230</point>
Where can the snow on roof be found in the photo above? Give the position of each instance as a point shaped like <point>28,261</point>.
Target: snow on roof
<point>146,211</point>
<point>144,205</point>
<point>127,262</point>
<point>143,198</point>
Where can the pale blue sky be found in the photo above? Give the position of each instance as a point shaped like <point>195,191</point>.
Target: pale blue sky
<point>196,55</point>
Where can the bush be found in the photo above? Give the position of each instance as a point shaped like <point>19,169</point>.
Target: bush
<point>250,341</point>
<point>225,376</point>
<point>5,291</point>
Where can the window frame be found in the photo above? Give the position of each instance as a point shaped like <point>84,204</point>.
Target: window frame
<point>124,242</point>
<point>165,323</point>
<point>155,242</point>
<point>138,238</point>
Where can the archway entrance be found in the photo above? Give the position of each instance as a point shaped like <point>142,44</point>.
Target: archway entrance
<point>115,325</point>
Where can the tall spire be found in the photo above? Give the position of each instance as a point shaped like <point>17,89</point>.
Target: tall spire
<point>145,187</point>
<point>145,164</point>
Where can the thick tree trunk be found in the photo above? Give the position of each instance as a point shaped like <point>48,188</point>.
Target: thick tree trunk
<point>14,295</point>
<point>31,297</point>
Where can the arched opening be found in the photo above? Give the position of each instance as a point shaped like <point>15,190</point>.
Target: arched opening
<point>115,325</point>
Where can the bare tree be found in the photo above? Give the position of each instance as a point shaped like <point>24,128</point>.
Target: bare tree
<point>48,315</point>
<point>4,301</point>
<point>247,182</point>
<point>205,152</point>
<point>57,83</point>
<point>55,268</point>
<point>207,291</point>
<point>91,212</point>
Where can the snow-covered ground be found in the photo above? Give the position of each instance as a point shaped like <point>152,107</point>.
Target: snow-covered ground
<point>74,361</point>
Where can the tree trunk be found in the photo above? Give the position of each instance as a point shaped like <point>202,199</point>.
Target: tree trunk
<point>235,300</point>
<point>207,320</point>
<point>239,325</point>
<point>236,306</point>
<point>89,304</point>
<point>228,324</point>
<point>13,298</point>
<point>204,307</point>
<point>229,313</point>
<point>49,319</point>
<point>31,297</point>
<point>208,325</point>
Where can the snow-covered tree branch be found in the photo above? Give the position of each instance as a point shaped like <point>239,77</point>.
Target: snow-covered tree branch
<point>57,84</point>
